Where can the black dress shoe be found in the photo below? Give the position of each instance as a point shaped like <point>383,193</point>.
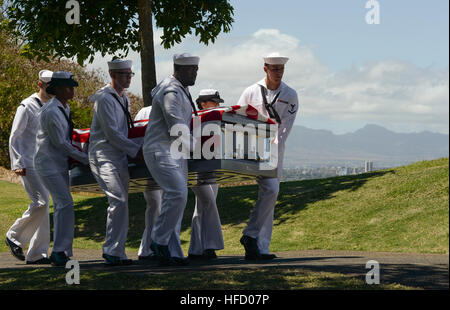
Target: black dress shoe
<point>16,250</point>
<point>151,257</point>
<point>252,257</point>
<point>260,257</point>
<point>267,256</point>
<point>59,259</point>
<point>111,260</point>
<point>209,254</point>
<point>195,256</point>
<point>177,261</point>
<point>162,253</point>
<point>42,261</point>
<point>251,248</point>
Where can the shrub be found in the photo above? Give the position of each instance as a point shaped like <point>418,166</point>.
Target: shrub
<point>18,80</point>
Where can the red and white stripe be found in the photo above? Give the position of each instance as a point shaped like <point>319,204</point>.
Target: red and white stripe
<point>81,136</point>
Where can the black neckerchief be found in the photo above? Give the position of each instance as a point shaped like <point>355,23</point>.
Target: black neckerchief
<point>269,106</point>
<point>125,110</point>
<point>190,100</point>
<point>69,122</point>
<point>38,101</point>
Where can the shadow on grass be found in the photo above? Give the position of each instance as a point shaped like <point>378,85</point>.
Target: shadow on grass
<point>231,273</point>
<point>91,213</point>
<point>45,279</point>
<point>234,203</point>
<point>296,196</point>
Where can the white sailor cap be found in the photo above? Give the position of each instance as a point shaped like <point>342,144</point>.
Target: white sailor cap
<point>119,64</point>
<point>60,78</point>
<point>45,75</point>
<point>275,59</point>
<point>186,59</point>
<point>209,95</point>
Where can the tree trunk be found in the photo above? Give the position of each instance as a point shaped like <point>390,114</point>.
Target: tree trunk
<point>147,50</point>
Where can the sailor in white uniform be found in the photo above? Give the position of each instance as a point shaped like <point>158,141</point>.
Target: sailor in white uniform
<point>172,106</point>
<point>109,146</point>
<point>152,211</point>
<point>206,229</point>
<point>153,205</point>
<point>53,148</point>
<point>274,99</point>
<point>33,227</point>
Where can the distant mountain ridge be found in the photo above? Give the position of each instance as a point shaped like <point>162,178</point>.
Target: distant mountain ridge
<point>386,148</point>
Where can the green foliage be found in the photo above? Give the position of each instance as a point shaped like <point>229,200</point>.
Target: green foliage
<point>12,87</point>
<point>19,78</point>
<point>106,27</point>
<point>110,26</point>
<point>178,18</point>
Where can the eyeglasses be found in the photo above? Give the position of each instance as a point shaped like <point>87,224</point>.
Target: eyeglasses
<point>127,74</point>
<point>276,69</point>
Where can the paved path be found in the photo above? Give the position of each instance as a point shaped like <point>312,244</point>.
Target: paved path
<point>428,271</point>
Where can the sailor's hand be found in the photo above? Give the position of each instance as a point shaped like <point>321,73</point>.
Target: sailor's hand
<point>139,155</point>
<point>21,172</point>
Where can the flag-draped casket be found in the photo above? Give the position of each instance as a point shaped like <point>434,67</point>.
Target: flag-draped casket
<point>238,144</point>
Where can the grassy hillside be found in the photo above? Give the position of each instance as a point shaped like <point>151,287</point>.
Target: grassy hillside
<point>400,210</point>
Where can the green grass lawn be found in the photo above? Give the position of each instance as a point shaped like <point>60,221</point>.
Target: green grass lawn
<point>264,279</point>
<point>404,209</point>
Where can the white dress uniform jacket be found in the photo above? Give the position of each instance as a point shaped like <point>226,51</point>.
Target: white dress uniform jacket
<point>260,224</point>
<point>34,225</point>
<point>53,147</point>
<point>108,149</point>
<point>109,128</point>
<point>171,106</point>
<point>22,140</point>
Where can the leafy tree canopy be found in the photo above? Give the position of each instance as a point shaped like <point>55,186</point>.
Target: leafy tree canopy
<point>110,27</point>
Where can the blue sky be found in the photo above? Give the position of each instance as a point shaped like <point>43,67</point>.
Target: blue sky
<point>415,31</point>
<point>347,73</point>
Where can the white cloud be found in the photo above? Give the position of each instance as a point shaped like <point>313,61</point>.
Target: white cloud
<point>395,93</point>
<point>392,93</point>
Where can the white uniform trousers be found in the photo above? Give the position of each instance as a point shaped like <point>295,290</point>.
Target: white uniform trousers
<point>171,176</point>
<point>206,229</point>
<point>260,224</point>
<point>63,214</point>
<point>113,178</point>
<point>33,227</point>
<point>152,211</point>
<point>153,208</point>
